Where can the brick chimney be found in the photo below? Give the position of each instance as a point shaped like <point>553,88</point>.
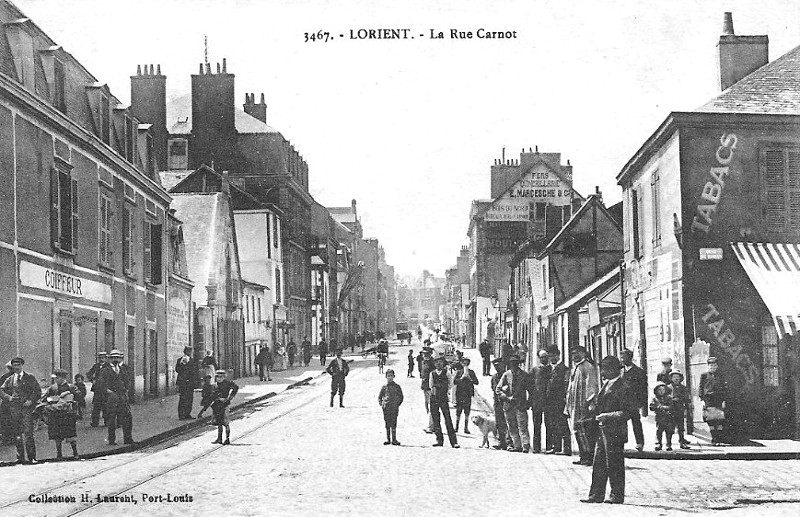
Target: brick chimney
<point>149,105</point>
<point>259,110</point>
<point>213,118</point>
<point>739,55</point>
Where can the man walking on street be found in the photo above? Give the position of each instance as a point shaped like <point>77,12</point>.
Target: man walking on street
<point>499,415</point>
<point>425,376</point>
<point>613,407</point>
<point>261,360</point>
<point>555,399</point>
<point>188,380</point>
<point>538,378</point>
<point>513,391</point>
<point>98,397</point>
<point>21,391</point>
<point>116,382</point>
<point>338,370</point>
<point>305,347</point>
<point>582,389</point>
<point>636,379</point>
<point>439,383</point>
<point>323,352</point>
<point>486,353</point>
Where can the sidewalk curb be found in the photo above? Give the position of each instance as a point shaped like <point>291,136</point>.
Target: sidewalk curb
<point>169,433</point>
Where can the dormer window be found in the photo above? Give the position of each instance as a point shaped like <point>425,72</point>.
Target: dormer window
<point>178,154</point>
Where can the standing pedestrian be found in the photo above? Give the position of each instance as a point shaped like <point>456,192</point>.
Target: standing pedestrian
<point>614,405</point>
<point>513,391</point>
<point>539,377</point>
<point>420,359</point>
<point>555,400</point>
<point>425,376</point>
<point>582,388</point>
<point>439,383</point>
<point>338,370</point>
<point>666,369</point>
<point>661,405</point>
<point>323,352</point>
<point>261,361</point>
<point>499,415</point>
<point>682,404</point>
<point>116,382</point>
<point>636,379</point>
<point>390,398</point>
<point>713,392</point>
<point>81,398</point>
<point>6,434</point>
<point>465,382</point>
<point>485,350</point>
<point>209,364</point>
<point>21,391</point>
<point>305,347</point>
<point>224,392</point>
<point>98,397</point>
<point>410,373</point>
<point>291,351</point>
<point>62,413</point>
<point>188,380</point>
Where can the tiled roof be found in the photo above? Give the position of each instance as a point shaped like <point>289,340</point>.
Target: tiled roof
<point>179,118</point>
<point>772,89</point>
<point>198,213</point>
<point>171,178</point>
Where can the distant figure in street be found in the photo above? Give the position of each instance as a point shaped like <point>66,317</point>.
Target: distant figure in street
<point>555,400</point>
<point>291,351</point>
<point>682,403</point>
<point>305,347</point>
<point>425,378</point>
<point>666,369</point>
<point>188,380</point>
<point>513,391</point>
<point>661,405</point>
<point>81,399</point>
<point>21,392</point>
<point>613,406</point>
<point>410,373</point>
<point>499,415</point>
<point>224,392</point>
<point>420,358</point>
<point>352,342</point>
<point>209,364</point>
<point>62,413</point>
<point>465,382</point>
<point>582,388</point>
<point>538,378</point>
<point>263,360</point>
<point>98,398</point>
<point>439,383</point>
<point>485,350</point>
<point>323,352</point>
<point>390,398</point>
<point>636,379</point>
<point>116,382</point>
<point>338,370</point>
<point>713,392</point>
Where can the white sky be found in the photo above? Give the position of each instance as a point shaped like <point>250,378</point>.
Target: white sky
<point>410,128</point>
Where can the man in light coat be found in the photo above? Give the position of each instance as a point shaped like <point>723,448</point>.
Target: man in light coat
<point>582,389</point>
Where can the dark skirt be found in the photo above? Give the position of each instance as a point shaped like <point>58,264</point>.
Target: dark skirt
<point>61,425</point>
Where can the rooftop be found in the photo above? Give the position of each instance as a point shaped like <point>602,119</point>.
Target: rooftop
<point>179,118</point>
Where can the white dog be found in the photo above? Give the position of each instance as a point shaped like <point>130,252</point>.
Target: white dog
<point>487,425</point>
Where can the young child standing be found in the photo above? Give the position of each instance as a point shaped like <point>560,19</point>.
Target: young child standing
<point>206,395</point>
<point>410,364</point>
<point>220,399</point>
<point>390,398</point>
<point>663,407</point>
<point>62,412</point>
<point>81,399</point>
<point>681,402</point>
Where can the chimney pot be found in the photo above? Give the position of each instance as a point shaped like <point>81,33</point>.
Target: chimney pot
<point>201,69</point>
<point>138,69</point>
<point>151,69</point>
<point>727,24</point>
<point>158,69</point>
<point>224,65</point>
<point>568,164</point>
<point>218,68</point>
<point>537,148</point>
<point>262,99</point>
<point>208,68</point>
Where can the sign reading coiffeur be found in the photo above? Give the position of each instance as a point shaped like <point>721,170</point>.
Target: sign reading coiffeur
<point>48,279</point>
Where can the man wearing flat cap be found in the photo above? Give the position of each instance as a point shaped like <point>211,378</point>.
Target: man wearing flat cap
<point>98,397</point>
<point>116,382</point>
<point>21,391</point>
<point>581,390</point>
<point>513,391</point>
<point>188,379</point>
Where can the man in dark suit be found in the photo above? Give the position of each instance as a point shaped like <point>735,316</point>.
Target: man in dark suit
<point>338,370</point>
<point>98,398</point>
<point>555,399</point>
<point>636,379</point>
<point>539,377</point>
<point>188,380</point>
<point>21,391</point>
<point>116,382</point>
<point>613,406</point>
<point>486,354</point>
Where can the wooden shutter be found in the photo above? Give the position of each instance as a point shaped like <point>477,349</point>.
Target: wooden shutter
<point>774,209</point>
<point>75,216</point>
<point>147,229</point>
<point>54,208</point>
<point>126,239</point>
<point>793,183</point>
<point>156,254</point>
<point>635,219</point>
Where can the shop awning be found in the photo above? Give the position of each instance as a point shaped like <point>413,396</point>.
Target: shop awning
<point>774,270</point>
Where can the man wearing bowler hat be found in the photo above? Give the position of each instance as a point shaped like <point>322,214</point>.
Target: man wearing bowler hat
<point>98,398</point>
<point>116,382</point>
<point>188,380</point>
<point>21,391</point>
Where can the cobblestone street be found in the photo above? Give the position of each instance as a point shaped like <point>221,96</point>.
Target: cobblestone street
<point>297,456</point>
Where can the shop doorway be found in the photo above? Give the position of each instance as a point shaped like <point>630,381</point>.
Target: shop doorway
<point>65,340</point>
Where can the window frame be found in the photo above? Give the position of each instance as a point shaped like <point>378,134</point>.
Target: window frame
<point>64,214</point>
<point>105,227</point>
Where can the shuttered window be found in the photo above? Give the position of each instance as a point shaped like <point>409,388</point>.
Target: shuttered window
<point>152,252</point>
<point>780,175</point>
<point>104,230</point>
<point>128,227</point>
<point>655,189</point>
<point>63,208</point>
<point>635,208</point>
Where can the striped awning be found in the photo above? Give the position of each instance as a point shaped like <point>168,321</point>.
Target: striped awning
<point>774,270</point>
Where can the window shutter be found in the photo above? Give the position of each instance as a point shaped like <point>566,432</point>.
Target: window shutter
<point>155,254</point>
<point>146,237</point>
<point>793,175</point>
<point>74,199</point>
<point>64,211</point>
<point>126,239</point>
<point>775,191</point>
<point>54,209</point>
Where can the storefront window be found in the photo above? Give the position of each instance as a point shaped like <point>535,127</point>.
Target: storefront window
<point>769,340</point>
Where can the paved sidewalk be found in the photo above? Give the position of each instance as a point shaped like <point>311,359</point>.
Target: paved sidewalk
<point>154,418</point>
<point>701,448</point>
